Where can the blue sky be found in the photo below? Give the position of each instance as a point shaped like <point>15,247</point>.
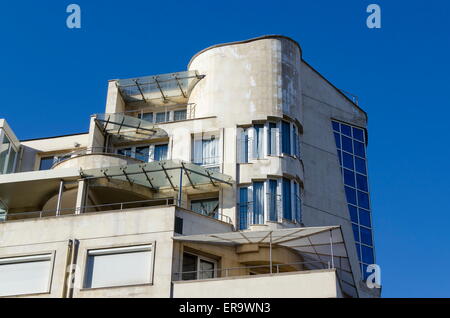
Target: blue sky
<point>53,78</point>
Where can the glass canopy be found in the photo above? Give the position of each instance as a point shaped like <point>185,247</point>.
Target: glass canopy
<point>126,127</point>
<point>161,89</point>
<point>157,175</point>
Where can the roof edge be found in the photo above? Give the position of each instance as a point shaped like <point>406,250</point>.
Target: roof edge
<point>263,37</point>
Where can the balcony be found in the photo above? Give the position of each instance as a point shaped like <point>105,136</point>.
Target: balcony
<point>264,257</point>
<point>76,190</point>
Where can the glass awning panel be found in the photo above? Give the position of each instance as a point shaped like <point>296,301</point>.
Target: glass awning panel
<point>125,127</point>
<point>161,89</point>
<point>160,174</point>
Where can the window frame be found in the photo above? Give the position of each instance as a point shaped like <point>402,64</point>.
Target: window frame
<point>199,259</point>
<point>51,256</point>
<point>127,249</point>
<point>151,150</point>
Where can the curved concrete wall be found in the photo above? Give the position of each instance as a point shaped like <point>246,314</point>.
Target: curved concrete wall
<point>249,81</point>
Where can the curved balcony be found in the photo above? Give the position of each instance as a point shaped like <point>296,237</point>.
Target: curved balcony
<point>96,157</point>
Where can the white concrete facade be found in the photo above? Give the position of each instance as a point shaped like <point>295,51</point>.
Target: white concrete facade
<point>258,114</point>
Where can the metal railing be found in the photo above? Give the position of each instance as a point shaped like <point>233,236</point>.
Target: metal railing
<point>169,115</point>
<point>120,206</point>
<point>100,151</point>
<point>249,270</point>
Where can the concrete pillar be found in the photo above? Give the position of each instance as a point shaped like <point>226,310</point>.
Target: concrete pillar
<point>81,196</point>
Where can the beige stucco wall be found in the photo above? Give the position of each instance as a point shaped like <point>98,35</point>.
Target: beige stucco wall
<point>308,284</point>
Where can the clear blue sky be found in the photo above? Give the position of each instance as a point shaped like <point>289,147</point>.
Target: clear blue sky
<point>53,78</point>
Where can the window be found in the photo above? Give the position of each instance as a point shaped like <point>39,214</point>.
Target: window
<point>119,266</point>
<point>206,151</point>
<point>258,151</point>
<point>350,144</point>
<point>146,116</point>
<point>274,206</point>
<point>46,163</point>
<point>142,153</point>
<point>146,153</point>
<point>297,203</point>
<point>25,274</point>
<point>243,144</point>
<point>243,208</point>
<point>160,152</point>
<point>273,200</point>
<point>162,117</point>
<point>198,267</point>
<point>285,138</point>
<point>7,154</point>
<point>258,202</point>
<point>273,139</point>
<point>179,115</point>
<point>206,206</point>
<point>287,210</point>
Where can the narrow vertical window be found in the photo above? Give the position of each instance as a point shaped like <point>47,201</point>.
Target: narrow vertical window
<point>272,199</point>
<point>286,138</point>
<point>272,139</point>
<point>243,146</point>
<point>243,208</point>
<point>287,205</point>
<point>258,141</point>
<point>297,203</point>
<point>258,202</point>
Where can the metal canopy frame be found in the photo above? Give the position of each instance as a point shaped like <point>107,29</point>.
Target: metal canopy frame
<point>120,125</point>
<point>157,89</point>
<point>160,175</point>
<point>316,245</point>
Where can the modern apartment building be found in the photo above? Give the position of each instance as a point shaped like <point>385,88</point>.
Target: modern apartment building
<point>243,176</point>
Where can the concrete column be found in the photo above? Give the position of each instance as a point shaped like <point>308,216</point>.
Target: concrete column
<point>81,196</point>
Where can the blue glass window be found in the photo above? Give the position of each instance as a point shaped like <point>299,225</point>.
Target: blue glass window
<point>364,218</point>
<point>243,208</point>
<point>351,195</point>
<point>346,130</point>
<point>142,153</point>
<point>335,126</point>
<point>367,254</point>
<point>361,182</point>
<point>286,138</point>
<point>160,152</point>
<point>351,150</point>
<point>348,161</point>
<point>359,149</point>
<point>258,141</point>
<point>46,163</point>
<point>363,200</point>
<point>272,148</point>
<point>360,165</point>
<point>287,208</point>
<point>347,144</point>
<point>272,196</point>
<point>366,236</point>
<point>349,178</point>
<point>353,213</point>
<point>358,250</point>
<point>258,202</point>
<point>358,134</point>
<point>355,232</point>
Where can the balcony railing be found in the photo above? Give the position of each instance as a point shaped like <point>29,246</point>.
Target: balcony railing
<point>121,206</point>
<point>94,151</point>
<point>165,115</point>
<point>218,273</point>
